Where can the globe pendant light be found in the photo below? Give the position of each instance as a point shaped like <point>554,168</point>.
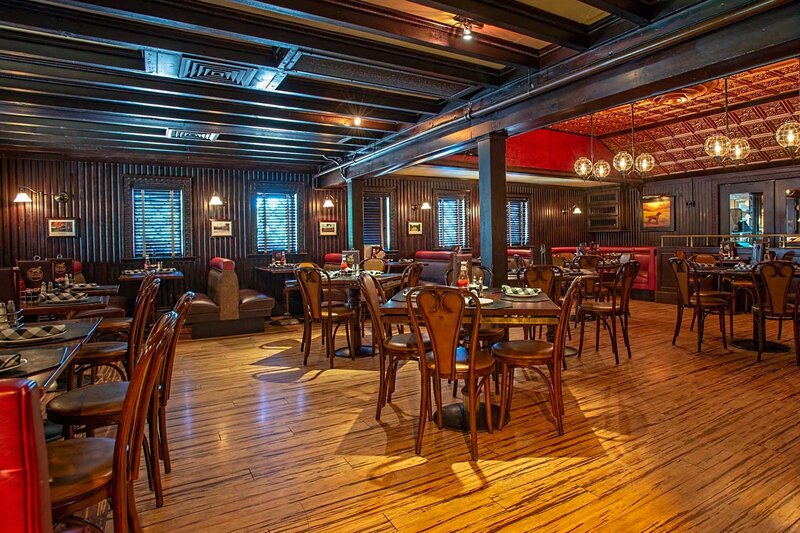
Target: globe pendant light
<point>584,166</point>
<point>739,150</point>
<point>788,135</point>
<point>601,168</point>
<point>718,145</point>
<point>645,163</point>
<point>623,161</point>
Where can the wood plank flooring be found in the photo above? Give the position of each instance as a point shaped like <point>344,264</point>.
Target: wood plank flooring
<point>670,440</point>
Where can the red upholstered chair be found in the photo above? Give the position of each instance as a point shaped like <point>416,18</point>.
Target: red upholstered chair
<point>332,261</point>
<point>24,486</point>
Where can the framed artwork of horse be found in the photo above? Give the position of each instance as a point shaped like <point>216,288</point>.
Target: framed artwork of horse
<point>658,213</point>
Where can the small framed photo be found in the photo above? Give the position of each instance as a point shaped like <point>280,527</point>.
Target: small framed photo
<point>327,229</point>
<point>222,228</point>
<point>62,227</point>
<point>415,228</point>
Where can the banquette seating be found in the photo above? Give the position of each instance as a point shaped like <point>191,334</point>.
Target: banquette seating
<point>437,263</point>
<point>227,309</point>
<point>523,253</point>
<point>647,275</point>
<point>332,261</point>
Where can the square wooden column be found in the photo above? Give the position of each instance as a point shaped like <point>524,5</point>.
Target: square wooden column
<point>492,202</point>
<point>355,214</point>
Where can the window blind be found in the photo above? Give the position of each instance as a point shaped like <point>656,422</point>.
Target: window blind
<point>157,222</point>
<point>517,222</point>
<point>377,221</point>
<point>276,222</point>
<point>452,219</point>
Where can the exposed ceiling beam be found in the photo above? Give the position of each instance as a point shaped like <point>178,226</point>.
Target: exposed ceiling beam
<point>519,18</point>
<point>220,23</point>
<point>401,26</point>
<point>632,10</point>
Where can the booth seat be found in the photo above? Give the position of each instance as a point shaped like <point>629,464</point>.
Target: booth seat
<point>647,278</point>
<point>437,263</point>
<point>117,304</point>
<point>226,309</point>
<point>332,261</point>
<point>524,253</point>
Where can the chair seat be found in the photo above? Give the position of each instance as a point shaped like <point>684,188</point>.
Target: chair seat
<point>597,307</point>
<point>484,362</point>
<point>95,405</point>
<point>107,312</point>
<point>523,352</point>
<point>742,283</point>
<point>710,301</point>
<point>337,313</point>
<point>100,352</point>
<point>489,334</point>
<point>79,468</point>
<point>406,341</point>
<point>722,295</point>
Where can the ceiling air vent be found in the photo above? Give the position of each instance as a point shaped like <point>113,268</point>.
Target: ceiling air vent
<point>192,135</point>
<point>216,71</point>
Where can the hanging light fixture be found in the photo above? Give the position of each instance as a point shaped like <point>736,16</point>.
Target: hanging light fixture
<point>623,161</point>
<point>739,149</point>
<point>584,166</point>
<point>645,163</point>
<point>328,203</point>
<point>788,135</point>
<point>718,145</point>
<point>467,25</point>
<point>601,167</point>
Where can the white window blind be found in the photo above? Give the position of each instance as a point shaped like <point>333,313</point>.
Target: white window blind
<point>377,220</point>
<point>157,222</point>
<point>276,222</point>
<point>517,222</point>
<point>452,219</point>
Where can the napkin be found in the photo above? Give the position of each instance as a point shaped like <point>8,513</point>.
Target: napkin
<point>47,297</point>
<point>31,332</point>
<point>83,285</point>
<point>8,361</point>
<point>521,291</point>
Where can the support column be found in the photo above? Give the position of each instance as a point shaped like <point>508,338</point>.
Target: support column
<point>492,202</point>
<point>355,215</point>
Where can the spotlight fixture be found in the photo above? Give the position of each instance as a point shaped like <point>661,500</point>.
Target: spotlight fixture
<point>788,135</point>
<point>328,203</point>
<point>24,198</point>
<point>215,200</point>
<point>468,26</point>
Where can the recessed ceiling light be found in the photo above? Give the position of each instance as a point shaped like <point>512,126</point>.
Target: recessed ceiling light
<point>357,121</point>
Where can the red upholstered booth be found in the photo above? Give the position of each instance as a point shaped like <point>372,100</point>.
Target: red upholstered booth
<point>24,484</point>
<point>332,261</point>
<point>647,278</point>
<point>437,263</point>
<point>524,253</point>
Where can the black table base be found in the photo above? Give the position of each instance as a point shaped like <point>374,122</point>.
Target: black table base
<point>454,416</point>
<point>363,351</point>
<point>752,345</point>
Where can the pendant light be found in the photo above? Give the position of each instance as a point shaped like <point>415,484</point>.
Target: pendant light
<point>644,163</point>
<point>739,149</point>
<point>584,165</point>
<point>623,161</point>
<point>718,145</point>
<point>601,167</point>
<point>788,135</point>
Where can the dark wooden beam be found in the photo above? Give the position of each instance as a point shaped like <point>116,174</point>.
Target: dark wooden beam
<point>221,23</point>
<point>632,10</point>
<point>772,36</point>
<point>492,197</point>
<point>519,18</point>
<point>375,20</point>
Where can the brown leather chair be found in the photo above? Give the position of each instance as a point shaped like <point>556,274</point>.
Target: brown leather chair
<point>534,354</point>
<point>227,309</point>
<point>691,294</point>
<point>772,282</point>
<point>441,311</point>
<point>84,472</point>
<point>374,263</point>
<point>314,283</point>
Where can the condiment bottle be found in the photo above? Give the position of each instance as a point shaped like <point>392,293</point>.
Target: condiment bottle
<point>463,278</point>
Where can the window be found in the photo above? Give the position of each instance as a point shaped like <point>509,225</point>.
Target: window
<point>158,229</point>
<point>276,222</point>
<point>451,215</point>
<point>377,220</point>
<point>517,222</point>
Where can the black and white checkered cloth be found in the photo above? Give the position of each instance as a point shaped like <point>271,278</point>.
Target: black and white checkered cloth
<point>76,286</point>
<point>520,291</point>
<point>62,297</point>
<point>31,332</point>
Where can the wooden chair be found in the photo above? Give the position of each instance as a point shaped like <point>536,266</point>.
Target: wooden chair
<point>560,261</point>
<point>520,262</point>
<point>772,281</point>
<point>84,472</point>
<point>690,294</point>
<point>94,406</point>
<point>788,256</point>
<point>589,261</point>
<point>534,354</point>
<point>546,278</point>
<point>393,349</point>
<point>121,326</point>
<point>616,308</point>
<point>441,311</point>
<point>120,356</point>
<point>477,271</point>
<point>703,259</point>
<point>314,282</point>
<point>374,263</point>
<point>411,275</point>
<point>486,335</point>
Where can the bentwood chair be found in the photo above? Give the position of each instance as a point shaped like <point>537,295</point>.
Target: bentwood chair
<point>772,282</point>
<point>119,326</point>
<point>703,259</point>
<point>120,356</point>
<point>393,349</point>
<point>374,263</point>
<point>441,311</point>
<point>534,354</point>
<point>411,275</point>
<point>94,406</point>
<point>486,335</point>
<point>690,294</point>
<point>84,472</point>
<point>478,271</point>
<point>589,261</point>
<point>314,283</point>
<point>546,278</point>
<point>617,307</point>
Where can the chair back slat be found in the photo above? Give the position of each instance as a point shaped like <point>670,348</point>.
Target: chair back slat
<point>682,270</point>
<point>563,319</point>
<point>313,284</point>
<point>773,281</point>
<point>411,275</point>
<point>623,283</point>
<point>547,278</point>
<point>141,317</point>
<point>182,307</point>
<point>375,263</point>
<point>590,261</point>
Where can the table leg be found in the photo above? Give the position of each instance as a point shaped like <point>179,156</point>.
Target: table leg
<point>354,303</point>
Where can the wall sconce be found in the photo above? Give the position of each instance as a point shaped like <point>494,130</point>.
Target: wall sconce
<point>575,210</point>
<point>24,198</point>
<point>215,201</point>
<point>328,203</point>
<point>424,206</point>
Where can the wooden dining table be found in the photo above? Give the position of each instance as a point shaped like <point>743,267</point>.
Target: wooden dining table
<point>38,309</point>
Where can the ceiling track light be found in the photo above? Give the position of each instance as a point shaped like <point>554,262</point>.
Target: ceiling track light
<point>467,26</point>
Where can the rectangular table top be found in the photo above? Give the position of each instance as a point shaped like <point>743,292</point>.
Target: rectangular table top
<point>540,306</point>
<point>38,308</point>
<point>125,278</point>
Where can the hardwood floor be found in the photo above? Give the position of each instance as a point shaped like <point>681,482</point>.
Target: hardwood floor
<point>669,440</point>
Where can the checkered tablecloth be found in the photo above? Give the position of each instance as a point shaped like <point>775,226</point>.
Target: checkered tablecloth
<point>521,291</point>
<point>31,332</point>
<point>47,297</point>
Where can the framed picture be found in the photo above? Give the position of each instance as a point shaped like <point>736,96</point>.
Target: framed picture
<point>415,228</point>
<point>327,229</point>
<point>658,213</point>
<point>221,228</point>
<point>62,227</point>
